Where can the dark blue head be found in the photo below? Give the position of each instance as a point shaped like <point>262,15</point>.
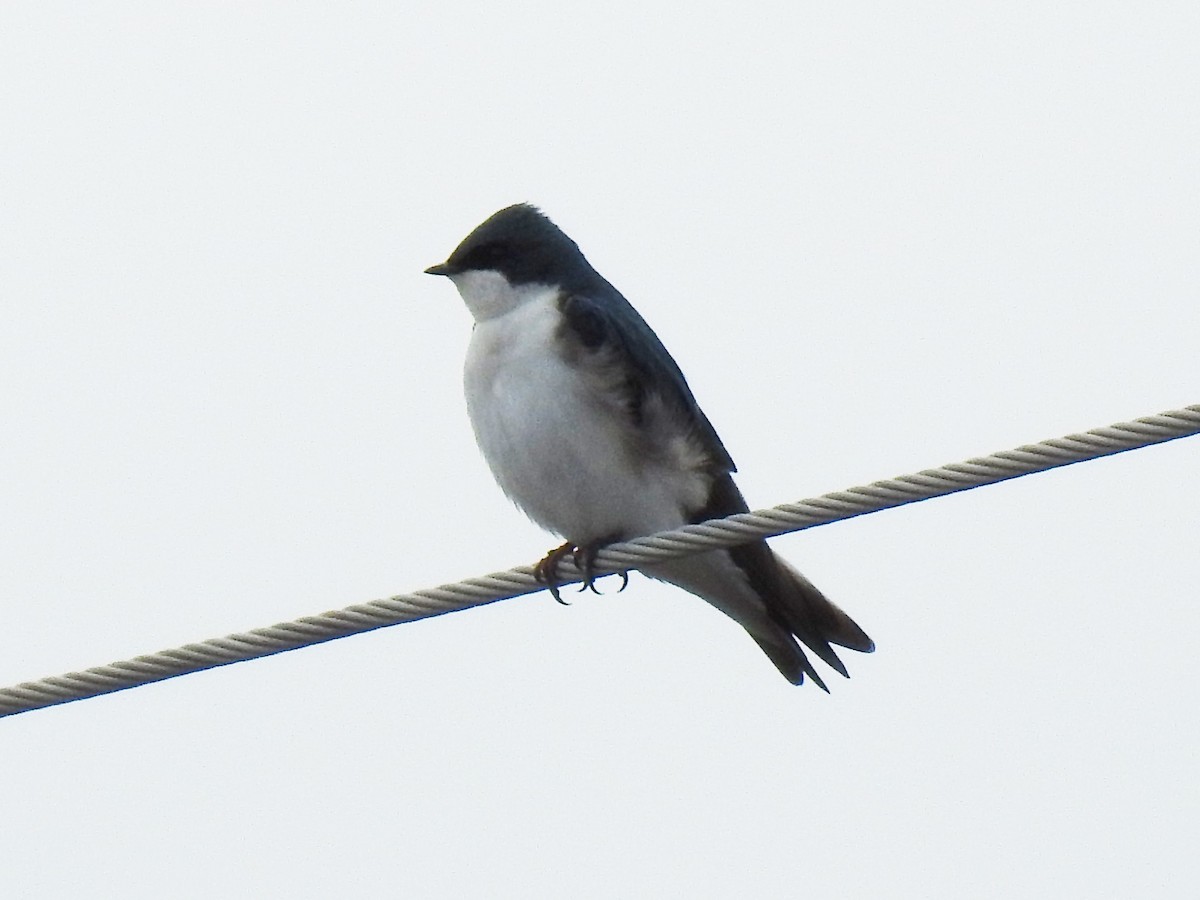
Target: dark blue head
<point>525,247</point>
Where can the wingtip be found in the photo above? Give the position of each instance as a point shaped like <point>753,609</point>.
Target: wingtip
<point>811,671</point>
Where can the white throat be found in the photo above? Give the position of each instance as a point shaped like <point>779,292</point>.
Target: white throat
<point>488,294</point>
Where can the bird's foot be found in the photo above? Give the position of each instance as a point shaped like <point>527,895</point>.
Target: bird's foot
<point>584,557</point>
<point>546,571</point>
<point>585,561</point>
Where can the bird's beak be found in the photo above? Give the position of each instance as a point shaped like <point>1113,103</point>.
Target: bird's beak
<point>439,269</point>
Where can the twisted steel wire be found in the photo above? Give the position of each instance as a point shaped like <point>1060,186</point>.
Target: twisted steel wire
<point>742,528</point>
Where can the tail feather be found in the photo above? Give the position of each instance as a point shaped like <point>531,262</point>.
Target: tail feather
<point>789,659</point>
<point>781,609</point>
<point>797,608</point>
<point>815,620</point>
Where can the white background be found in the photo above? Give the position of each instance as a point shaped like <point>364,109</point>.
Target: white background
<point>877,237</point>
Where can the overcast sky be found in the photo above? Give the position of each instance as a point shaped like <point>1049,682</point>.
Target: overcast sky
<point>876,237</point>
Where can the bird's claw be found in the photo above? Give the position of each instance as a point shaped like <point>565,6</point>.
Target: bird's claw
<point>591,583</point>
<point>546,571</point>
<point>584,557</point>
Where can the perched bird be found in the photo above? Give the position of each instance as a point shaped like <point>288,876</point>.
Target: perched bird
<point>590,428</point>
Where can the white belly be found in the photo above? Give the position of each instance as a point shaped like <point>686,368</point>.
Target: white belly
<point>554,446</point>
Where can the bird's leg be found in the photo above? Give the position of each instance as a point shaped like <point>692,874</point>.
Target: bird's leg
<point>585,561</point>
<point>546,571</point>
<point>584,557</point>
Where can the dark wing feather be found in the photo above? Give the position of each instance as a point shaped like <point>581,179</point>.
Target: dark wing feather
<point>602,322</point>
<point>604,319</point>
<point>793,601</point>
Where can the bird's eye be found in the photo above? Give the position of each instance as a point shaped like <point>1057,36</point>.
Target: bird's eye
<point>491,252</point>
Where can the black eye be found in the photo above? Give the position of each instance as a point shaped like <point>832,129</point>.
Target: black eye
<point>487,255</point>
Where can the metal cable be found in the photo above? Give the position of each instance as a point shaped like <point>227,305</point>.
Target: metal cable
<point>727,532</point>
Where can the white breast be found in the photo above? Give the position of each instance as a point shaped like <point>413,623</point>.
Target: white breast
<point>553,445</point>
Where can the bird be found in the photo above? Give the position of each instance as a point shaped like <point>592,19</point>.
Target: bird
<point>590,428</point>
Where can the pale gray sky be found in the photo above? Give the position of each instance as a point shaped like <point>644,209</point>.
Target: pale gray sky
<point>876,238</point>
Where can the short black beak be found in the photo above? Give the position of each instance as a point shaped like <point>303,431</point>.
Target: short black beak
<point>439,269</point>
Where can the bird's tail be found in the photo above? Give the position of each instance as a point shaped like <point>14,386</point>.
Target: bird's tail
<point>779,607</point>
<point>796,607</point>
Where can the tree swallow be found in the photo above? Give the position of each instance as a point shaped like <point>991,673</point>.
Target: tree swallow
<point>590,428</point>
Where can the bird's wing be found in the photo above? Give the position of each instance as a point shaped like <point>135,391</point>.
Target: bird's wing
<point>640,368</point>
